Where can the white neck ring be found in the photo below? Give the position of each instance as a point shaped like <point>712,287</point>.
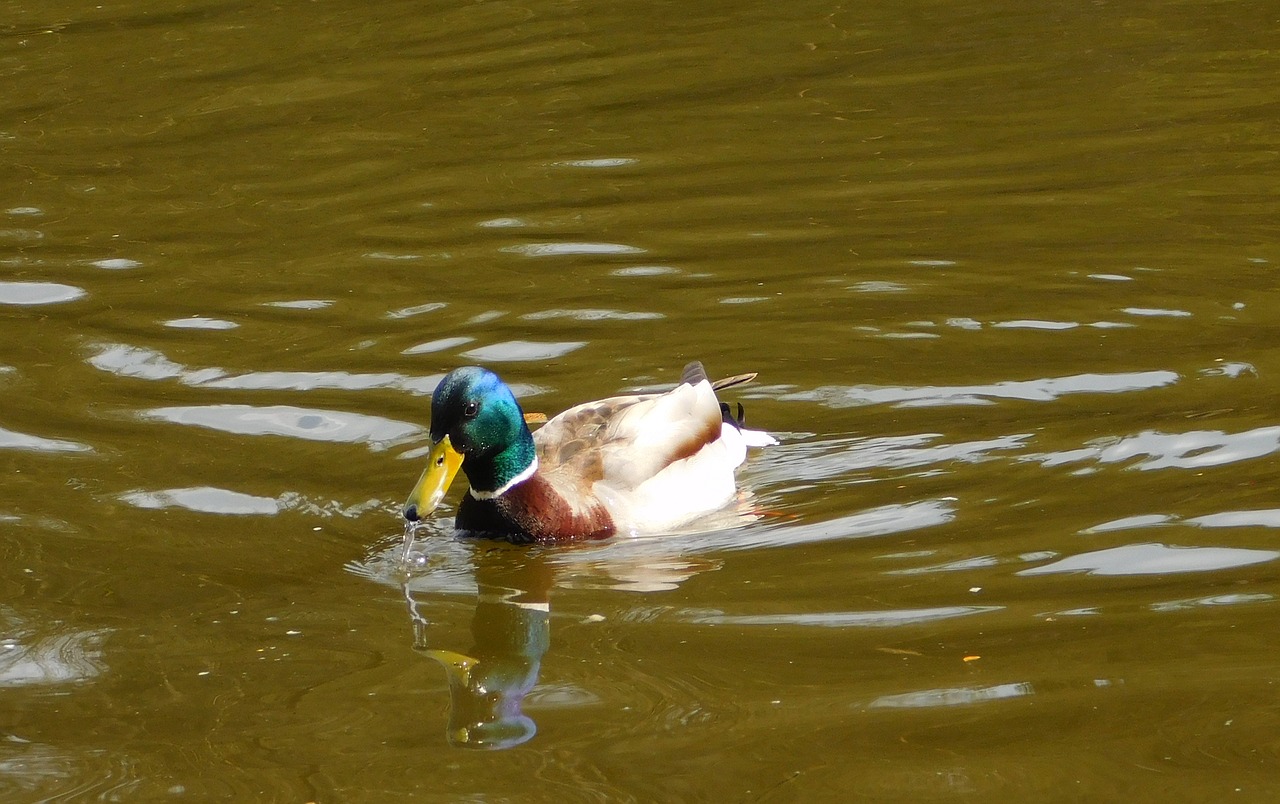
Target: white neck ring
<point>498,492</point>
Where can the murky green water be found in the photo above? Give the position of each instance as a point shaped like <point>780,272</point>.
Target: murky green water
<point>1007,274</point>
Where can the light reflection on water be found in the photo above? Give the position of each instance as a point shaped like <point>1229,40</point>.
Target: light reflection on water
<point>845,619</point>
<point>952,697</point>
<point>204,500</point>
<point>150,364</point>
<point>32,771</point>
<point>521,351</point>
<point>1041,390</point>
<point>567,249</point>
<point>31,656</point>
<point>1190,450</point>
<point>38,293</point>
<point>10,439</point>
<point>438,345</point>
<point>1011,296</point>
<point>286,420</point>
<point>1155,559</point>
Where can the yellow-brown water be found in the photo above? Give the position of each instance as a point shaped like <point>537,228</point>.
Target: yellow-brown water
<point>1008,276</point>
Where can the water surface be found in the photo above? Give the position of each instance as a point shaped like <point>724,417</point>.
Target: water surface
<point>1007,275</point>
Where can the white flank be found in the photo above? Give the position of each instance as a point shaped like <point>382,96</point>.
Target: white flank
<point>687,488</point>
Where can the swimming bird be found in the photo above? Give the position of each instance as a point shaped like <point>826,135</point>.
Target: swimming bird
<point>641,463</point>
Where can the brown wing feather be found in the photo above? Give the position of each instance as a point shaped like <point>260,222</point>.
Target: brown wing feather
<point>568,445</point>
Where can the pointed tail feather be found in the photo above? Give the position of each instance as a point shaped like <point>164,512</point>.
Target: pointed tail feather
<point>729,382</point>
<point>694,373</point>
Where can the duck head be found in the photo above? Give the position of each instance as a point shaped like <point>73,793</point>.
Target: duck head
<point>476,425</point>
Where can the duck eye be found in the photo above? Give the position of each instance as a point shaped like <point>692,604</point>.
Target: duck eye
<point>471,409</point>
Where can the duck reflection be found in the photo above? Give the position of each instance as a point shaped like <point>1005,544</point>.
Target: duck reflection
<point>511,630</point>
<point>490,683</point>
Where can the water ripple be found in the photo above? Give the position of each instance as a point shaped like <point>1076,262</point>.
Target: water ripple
<point>31,771</point>
<point>21,235</point>
<point>502,223</point>
<point>285,420</point>
<point>1192,450</point>
<point>203,499</point>
<point>10,439</point>
<point>1264,518</point>
<point>116,264</point>
<point>958,696</point>
<point>960,565</point>
<point>645,270</point>
<point>606,162</point>
<point>509,351</point>
<point>843,619</point>
<point>592,315</point>
<point>200,322</point>
<point>1155,559</point>
<point>1130,522</point>
<point>1025,323</point>
<point>27,659</point>
<point>563,249</point>
<point>878,286</point>
<point>417,309</point>
<point>1154,312</point>
<point>300,304</point>
<point>438,345</point>
<point>149,364</point>
<point>1236,599</point>
<point>314,380</point>
<point>36,293</point>
<point>1041,390</point>
<point>882,521</point>
<point>437,564</point>
<point>824,460</point>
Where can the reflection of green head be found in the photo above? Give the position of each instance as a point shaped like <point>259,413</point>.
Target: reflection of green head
<point>493,735</point>
<point>483,421</point>
<point>512,632</point>
<point>485,698</point>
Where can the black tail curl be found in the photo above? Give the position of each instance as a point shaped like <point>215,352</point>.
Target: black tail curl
<point>726,413</point>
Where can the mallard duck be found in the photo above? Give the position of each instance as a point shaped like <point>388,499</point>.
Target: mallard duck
<point>633,464</point>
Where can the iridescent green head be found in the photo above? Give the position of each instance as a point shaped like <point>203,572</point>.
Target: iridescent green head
<point>475,421</point>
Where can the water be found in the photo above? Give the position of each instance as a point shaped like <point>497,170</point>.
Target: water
<point>1006,274</point>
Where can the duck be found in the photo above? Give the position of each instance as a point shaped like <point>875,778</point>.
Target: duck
<point>635,464</point>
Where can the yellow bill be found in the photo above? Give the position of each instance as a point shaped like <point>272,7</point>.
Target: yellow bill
<point>457,665</point>
<point>442,464</point>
